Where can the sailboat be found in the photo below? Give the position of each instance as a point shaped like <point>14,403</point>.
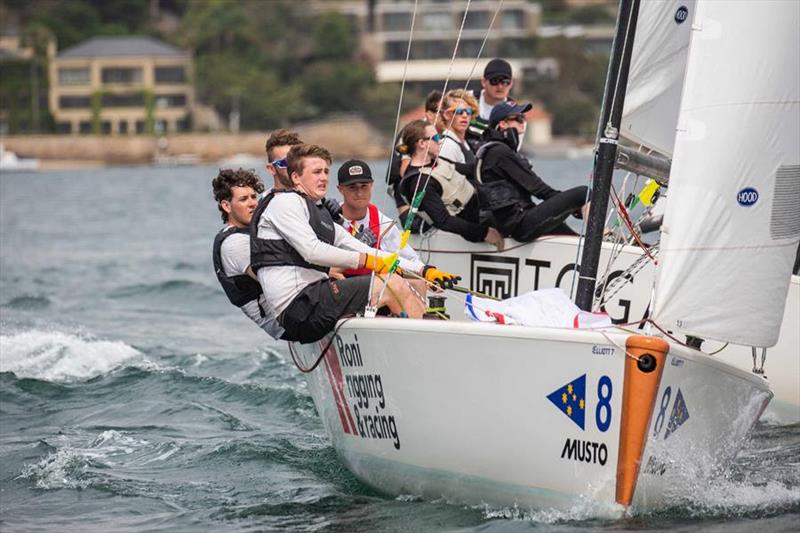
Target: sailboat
<point>482,413</point>
<point>647,135</point>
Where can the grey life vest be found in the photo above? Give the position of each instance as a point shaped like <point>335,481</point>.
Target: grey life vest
<point>241,288</point>
<point>496,194</point>
<point>278,252</point>
<point>456,188</point>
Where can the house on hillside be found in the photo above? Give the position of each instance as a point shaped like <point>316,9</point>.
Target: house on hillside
<point>121,85</point>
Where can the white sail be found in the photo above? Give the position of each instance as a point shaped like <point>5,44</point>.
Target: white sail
<point>732,222</point>
<point>655,80</point>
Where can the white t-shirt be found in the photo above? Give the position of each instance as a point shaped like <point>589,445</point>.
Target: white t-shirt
<point>484,108</point>
<point>451,148</point>
<point>390,242</point>
<point>235,257</point>
<point>286,217</point>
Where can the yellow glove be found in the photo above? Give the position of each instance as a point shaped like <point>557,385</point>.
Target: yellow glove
<point>378,264</point>
<point>444,279</point>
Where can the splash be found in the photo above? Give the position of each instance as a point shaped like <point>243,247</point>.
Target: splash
<point>57,356</point>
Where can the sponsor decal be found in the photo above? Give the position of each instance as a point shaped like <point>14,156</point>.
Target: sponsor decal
<point>571,400</point>
<point>681,15</point>
<point>586,451</point>
<point>602,350</point>
<point>655,466</point>
<point>496,276</point>
<point>678,416</point>
<point>360,397</point>
<point>676,361</point>
<point>747,197</point>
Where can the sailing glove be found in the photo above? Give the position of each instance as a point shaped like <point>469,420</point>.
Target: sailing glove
<point>333,207</point>
<point>378,264</point>
<point>443,279</point>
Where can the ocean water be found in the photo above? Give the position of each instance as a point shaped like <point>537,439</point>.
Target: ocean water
<point>134,397</point>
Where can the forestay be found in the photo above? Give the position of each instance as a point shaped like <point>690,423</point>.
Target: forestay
<point>658,65</point>
<point>732,223</point>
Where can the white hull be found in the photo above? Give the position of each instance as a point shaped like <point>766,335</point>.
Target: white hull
<point>460,411</point>
<point>550,262</point>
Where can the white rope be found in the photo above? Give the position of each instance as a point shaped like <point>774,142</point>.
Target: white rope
<point>402,89</point>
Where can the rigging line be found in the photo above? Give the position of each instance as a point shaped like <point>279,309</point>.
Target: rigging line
<point>483,44</point>
<point>413,211</point>
<point>441,100</point>
<point>402,88</point>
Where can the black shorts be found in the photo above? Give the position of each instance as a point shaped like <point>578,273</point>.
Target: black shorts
<point>314,312</point>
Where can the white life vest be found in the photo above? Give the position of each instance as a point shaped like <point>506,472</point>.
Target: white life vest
<point>456,188</point>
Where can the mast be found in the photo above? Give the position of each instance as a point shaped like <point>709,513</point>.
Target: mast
<point>606,154</point>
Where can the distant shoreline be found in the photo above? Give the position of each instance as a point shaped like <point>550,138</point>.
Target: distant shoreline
<point>345,137</point>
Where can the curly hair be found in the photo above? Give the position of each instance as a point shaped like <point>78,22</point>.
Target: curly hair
<point>459,94</point>
<point>281,138</point>
<point>297,155</point>
<point>226,179</point>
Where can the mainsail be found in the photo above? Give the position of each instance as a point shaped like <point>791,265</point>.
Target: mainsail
<point>732,222</point>
<point>656,74</point>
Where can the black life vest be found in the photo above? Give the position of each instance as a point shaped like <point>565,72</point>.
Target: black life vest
<point>278,252</point>
<point>498,194</point>
<point>241,288</point>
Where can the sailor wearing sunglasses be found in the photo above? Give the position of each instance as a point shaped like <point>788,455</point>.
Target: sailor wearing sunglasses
<point>496,85</point>
<point>458,109</point>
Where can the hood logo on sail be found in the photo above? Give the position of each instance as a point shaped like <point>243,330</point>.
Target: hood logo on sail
<point>681,14</point>
<point>747,197</point>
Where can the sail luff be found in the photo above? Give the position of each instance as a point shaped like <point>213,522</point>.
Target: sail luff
<point>732,224</point>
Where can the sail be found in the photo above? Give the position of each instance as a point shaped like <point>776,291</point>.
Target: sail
<point>732,222</point>
<point>658,64</point>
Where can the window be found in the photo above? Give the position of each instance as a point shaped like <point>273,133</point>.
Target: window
<point>123,126</point>
<point>396,21</point>
<point>170,75</point>
<point>74,102</point>
<point>170,100</point>
<point>437,21</point>
<point>123,100</point>
<point>121,75</point>
<point>469,48</point>
<point>73,76</point>
<point>85,127</point>
<point>105,127</point>
<point>513,19</point>
<point>477,20</point>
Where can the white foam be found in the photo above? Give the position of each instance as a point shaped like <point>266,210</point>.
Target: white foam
<point>57,356</point>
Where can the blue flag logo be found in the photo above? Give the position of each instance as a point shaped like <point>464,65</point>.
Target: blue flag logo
<point>571,400</point>
<point>679,415</point>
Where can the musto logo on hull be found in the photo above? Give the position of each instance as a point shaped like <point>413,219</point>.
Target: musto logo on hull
<point>570,399</point>
<point>356,394</point>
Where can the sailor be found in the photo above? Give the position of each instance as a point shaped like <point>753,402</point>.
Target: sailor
<point>507,181</point>
<point>236,193</point>
<point>294,243</point>
<point>278,145</point>
<point>364,221</point>
<point>400,162</point>
<point>450,202</point>
<point>459,106</point>
<point>496,85</point>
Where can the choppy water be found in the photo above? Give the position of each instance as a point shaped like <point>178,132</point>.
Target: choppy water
<point>134,397</point>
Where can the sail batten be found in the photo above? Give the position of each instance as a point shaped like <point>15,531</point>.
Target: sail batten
<point>731,227</point>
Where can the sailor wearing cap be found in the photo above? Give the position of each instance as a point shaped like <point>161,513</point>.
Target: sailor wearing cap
<point>507,181</point>
<point>496,85</point>
<point>363,219</point>
<point>294,242</point>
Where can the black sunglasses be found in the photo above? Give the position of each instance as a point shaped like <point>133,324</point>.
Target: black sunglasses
<point>499,80</point>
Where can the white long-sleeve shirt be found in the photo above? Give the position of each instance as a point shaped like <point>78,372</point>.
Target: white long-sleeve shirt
<point>235,258</point>
<point>286,217</point>
<point>451,148</point>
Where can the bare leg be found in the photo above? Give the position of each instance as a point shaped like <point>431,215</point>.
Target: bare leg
<point>397,297</point>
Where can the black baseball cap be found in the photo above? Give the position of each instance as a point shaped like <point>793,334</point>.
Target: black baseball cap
<point>354,171</point>
<point>497,68</point>
<point>504,109</point>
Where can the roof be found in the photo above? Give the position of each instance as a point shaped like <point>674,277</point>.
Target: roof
<point>121,46</point>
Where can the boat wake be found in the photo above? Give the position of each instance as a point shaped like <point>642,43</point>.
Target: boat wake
<point>58,356</point>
